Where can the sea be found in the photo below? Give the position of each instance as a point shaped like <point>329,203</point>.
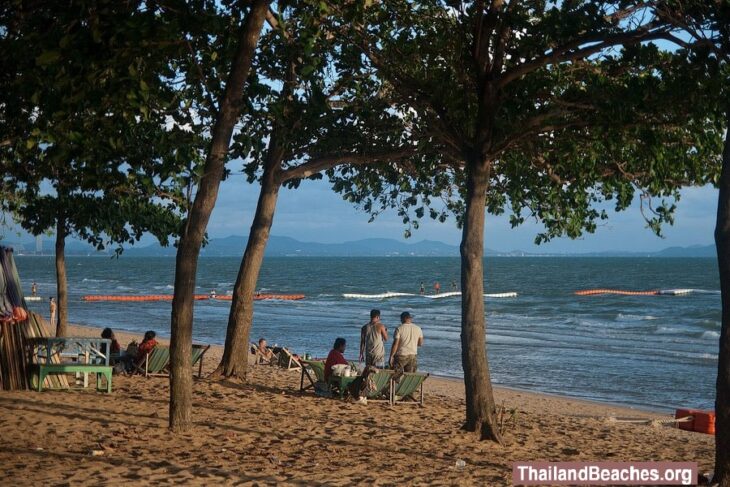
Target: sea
<point>657,352</point>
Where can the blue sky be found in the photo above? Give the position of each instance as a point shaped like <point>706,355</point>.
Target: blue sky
<point>315,213</point>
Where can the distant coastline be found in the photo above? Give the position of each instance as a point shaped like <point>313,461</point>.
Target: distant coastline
<point>233,246</point>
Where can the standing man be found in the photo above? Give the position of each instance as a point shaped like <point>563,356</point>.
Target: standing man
<point>453,285</point>
<point>372,336</point>
<point>437,288</point>
<point>422,291</point>
<point>406,340</point>
<point>34,289</point>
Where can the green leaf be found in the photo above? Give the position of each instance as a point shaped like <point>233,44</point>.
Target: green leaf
<point>48,57</point>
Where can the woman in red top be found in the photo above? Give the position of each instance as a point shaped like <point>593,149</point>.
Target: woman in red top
<point>335,357</point>
<point>148,343</point>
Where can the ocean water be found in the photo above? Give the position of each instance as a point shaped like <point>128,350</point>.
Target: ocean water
<point>651,351</point>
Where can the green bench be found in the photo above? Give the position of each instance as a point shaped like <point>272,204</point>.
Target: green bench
<point>99,370</point>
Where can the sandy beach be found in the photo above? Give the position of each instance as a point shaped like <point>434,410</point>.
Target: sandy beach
<point>267,432</point>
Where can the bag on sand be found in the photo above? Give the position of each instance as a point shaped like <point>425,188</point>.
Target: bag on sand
<point>132,349</point>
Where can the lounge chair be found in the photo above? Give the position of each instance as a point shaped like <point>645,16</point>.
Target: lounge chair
<point>154,363</point>
<point>404,388</point>
<point>287,360</point>
<point>198,353</point>
<point>382,386</point>
<point>157,362</point>
<point>260,359</point>
<point>316,366</point>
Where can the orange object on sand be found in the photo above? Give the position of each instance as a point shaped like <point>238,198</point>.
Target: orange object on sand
<point>702,421</point>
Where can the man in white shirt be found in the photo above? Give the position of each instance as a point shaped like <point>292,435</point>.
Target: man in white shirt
<point>406,340</point>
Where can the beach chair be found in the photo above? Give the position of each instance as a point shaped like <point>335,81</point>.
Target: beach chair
<point>403,389</point>
<point>316,366</point>
<point>288,361</point>
<point>198,353</point>
<point>259,358</point>
<point>382,382</point>
<point>155,363</point>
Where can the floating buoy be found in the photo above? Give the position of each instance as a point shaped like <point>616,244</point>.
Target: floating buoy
<point>197,297</point>
<point>655,292</point>
<point>592,292</point>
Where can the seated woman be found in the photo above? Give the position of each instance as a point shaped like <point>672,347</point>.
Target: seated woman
<point>148,343</point>
<point>109,335</point>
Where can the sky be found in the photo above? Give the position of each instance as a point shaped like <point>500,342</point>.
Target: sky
<point>314,213</point>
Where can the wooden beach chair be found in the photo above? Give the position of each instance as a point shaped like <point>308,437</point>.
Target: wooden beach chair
<point>198,353</point>
<point>155,363</point>
<point>404,388</point>
<point>259,358</point>
<point>382,381</point>
<point>316,367</point>
<point>288,361</point>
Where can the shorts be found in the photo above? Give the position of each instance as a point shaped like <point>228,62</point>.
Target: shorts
<point>405,363</point>
<point>374,360</point>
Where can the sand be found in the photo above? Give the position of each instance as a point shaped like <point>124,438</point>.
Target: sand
<point>267,432</point>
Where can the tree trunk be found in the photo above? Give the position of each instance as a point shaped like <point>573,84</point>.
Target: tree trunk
<point>722,398</point>
<point>235,354</point>
<point>61,282</point>
<point>186,264</point>
<point>480,406</point>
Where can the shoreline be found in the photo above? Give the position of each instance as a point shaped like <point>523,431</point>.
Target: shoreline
<point>450,386</point>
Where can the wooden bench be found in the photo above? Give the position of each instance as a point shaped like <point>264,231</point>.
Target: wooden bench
<point>99,370</point>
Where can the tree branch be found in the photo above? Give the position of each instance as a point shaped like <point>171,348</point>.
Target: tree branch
<point>321,163</point>
<point>567,53</point>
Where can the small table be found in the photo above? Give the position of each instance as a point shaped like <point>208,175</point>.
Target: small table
<point>91,354</point>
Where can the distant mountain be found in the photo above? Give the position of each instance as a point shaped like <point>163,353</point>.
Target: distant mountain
<point>234,246</point>
<point>286,246</point>
<point>691,251</point>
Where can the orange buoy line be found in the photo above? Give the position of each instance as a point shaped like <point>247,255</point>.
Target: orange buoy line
<point>197,297</point>
<point>591,292</point>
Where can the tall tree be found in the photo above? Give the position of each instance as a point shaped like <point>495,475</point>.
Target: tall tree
<point>705,40</point>
<point>532,105</point>
<point>227,113</point>
<point>316,111</point>
<point>75,153</point>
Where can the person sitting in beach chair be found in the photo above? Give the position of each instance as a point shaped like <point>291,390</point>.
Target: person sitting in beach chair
<point>148,343</point>
<point>109,335</point>
<point>335,357</point>
<point>264,354</point>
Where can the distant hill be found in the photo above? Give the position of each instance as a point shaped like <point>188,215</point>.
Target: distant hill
<point>286,246</point>
<point>234,246</point>
<point>691,251</point>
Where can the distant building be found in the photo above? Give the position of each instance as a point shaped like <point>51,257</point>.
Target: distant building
<point>38,244</point>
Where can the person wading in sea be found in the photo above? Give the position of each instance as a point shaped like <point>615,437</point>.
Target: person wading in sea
<point>52,306</point>
<point>372,336</point>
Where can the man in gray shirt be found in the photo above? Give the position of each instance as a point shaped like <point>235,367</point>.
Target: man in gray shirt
<point>406,340</point>
<point>372,336</point>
